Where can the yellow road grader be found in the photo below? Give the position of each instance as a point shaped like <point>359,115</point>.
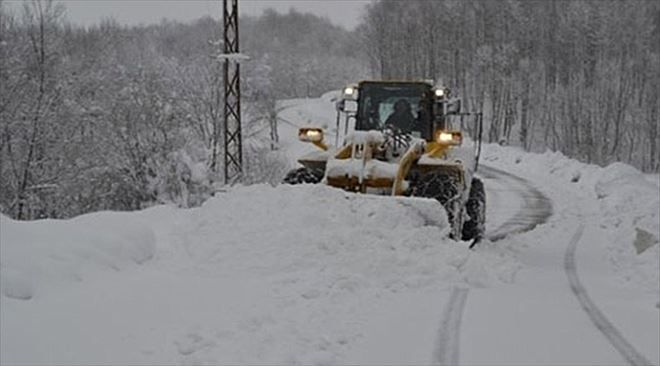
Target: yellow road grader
<point>399,138</point>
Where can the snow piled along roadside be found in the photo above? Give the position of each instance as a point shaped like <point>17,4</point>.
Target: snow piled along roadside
<point>630,206</point>
<point>35,254</point>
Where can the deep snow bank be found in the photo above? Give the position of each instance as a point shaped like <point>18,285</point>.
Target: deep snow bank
<point>36,254</point>
<point>362,240</point>
<point>329,259</point>
<point>630,205</point>
<point>258,274</point>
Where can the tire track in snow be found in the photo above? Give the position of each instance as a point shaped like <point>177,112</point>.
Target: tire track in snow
<point>448,346</point>
<point>611,333</point>
<point>535,210</point>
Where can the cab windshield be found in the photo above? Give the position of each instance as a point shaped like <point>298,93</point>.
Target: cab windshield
<point>400,107</point>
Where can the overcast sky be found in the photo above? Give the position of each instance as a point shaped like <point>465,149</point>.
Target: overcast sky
<point>342,12</point>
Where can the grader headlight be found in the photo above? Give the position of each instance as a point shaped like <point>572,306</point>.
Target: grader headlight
<point>313,135</point>
<point>441,92</point>
<point>350,92</point>
<point>449,137</point>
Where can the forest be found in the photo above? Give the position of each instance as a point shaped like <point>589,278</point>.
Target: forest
<point>116,117</point>
<point>580,77</point>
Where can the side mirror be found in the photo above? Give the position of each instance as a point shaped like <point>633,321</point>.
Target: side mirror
<point>438,112</point>
<point>346,106</point>
<point>453,106</point>
<point>350,106</point>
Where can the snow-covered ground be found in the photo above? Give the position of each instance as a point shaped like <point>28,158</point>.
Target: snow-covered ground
<point>314,275</point>
<point>602,211</point>
<point>257,274</point>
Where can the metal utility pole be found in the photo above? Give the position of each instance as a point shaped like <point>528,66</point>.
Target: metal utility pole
<point>274,136</point>
<point>232,110</point>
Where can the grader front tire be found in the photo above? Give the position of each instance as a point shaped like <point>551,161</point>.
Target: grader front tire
<point>445,189</point>
<point>475,209</point>
<point>302,176</point>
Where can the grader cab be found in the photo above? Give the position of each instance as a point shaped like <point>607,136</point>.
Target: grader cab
<point>400,138</point>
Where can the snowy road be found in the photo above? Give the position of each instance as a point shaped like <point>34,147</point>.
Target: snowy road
<point>517,206</point>
<point>604,325</point>
<point>514,206</point>
<point>547,313</point>
<point>314,275</point>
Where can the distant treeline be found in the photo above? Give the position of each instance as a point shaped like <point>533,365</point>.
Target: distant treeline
<point>581,77</point>
<point>117,117</point>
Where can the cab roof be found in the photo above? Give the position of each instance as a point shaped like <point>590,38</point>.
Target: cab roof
<point>428,83</point>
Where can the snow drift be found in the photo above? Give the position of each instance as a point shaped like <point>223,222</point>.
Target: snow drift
<point>35,254</point>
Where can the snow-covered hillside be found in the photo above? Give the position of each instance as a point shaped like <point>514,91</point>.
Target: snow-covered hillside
<point>314,275</point>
